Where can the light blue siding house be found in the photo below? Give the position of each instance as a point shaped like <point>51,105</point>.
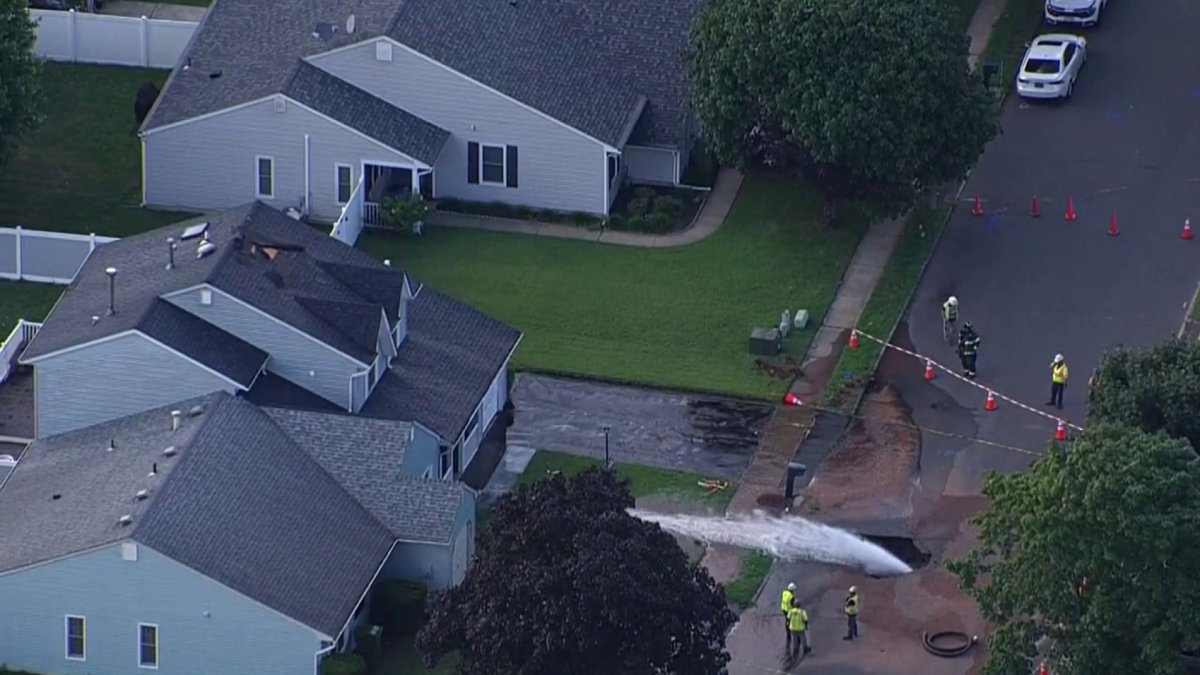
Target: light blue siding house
<point>548,104</point>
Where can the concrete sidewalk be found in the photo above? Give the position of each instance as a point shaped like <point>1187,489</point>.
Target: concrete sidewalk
<point>154,10</point>
<point>710,218</point>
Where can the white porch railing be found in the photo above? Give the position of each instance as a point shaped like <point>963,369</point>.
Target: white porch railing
<point>371,217</point>
<point>350,224</point>
<point>11,348</point>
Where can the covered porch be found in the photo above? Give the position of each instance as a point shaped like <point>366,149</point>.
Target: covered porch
<point>382,181</point>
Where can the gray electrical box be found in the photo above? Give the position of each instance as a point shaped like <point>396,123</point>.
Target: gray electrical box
<point>765,342</point>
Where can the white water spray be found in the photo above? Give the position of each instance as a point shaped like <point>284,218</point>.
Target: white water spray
<point>790,538</point>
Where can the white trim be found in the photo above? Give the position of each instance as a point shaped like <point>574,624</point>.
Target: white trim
<point>294,102</point>
<point>362,598</point>
<point>607,183</point>
<point>678,175</point>
<point>258,311</point>
<point>140,663</point>
<point>316,57</point>
<point>337,166</point>
<point>46,234</point>
<point>258,177</point>
<point>67,637</point>
<point>306,207</point>
<point>503,164</point>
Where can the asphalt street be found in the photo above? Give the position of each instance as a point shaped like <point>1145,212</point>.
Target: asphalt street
<point>1126,143</point>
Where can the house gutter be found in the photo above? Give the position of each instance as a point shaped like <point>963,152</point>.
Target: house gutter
<point>321,653</point>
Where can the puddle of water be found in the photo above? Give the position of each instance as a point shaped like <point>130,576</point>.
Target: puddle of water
<point>789,538</point>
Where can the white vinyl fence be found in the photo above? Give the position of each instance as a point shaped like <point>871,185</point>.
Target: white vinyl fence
<point>116,40</point>
<point>45,257</point>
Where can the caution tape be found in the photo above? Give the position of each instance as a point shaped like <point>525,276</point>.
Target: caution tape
<point>973,383</point>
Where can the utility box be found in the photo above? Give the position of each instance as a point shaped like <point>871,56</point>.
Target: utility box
<point>801,320</point>
<point>765,342</point>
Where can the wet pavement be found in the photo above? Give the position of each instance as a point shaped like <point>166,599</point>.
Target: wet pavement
<point>708,435</point>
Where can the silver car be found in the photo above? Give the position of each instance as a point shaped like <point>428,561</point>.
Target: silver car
<point>1051,66</point>
<point>1074,12</point>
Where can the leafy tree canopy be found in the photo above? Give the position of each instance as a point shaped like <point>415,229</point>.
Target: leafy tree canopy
<point>1152,389</point>
<point>868,100</point>
<point>566,580</point>
<point>1096,547</point>
<point>20,75</point>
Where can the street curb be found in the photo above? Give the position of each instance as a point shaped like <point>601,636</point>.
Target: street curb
<point>1187,314</point>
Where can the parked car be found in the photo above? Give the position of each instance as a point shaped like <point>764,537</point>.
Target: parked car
<point>1074,12</point>
<point>1051,66</point>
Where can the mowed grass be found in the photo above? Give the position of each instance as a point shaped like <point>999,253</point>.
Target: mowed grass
<point>1019,23</point>
<point>677,318</point>
<point>740,592</point>
<point>24,300</point>
<point>644,481</point>
<point>80,171</point>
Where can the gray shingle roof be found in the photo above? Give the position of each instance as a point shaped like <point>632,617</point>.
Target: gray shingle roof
<point>307,285</point>
<point>586,63</point>
<point>445,365</point>
<point>357,109</point>
<point>365,457</point>
<point>225,353</point>
<point>240,502</point>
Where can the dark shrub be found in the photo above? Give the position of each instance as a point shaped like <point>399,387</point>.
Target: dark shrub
<point>636,224</point>
<point>398,606</point>
<point>368,646</point>
<point>702,168</point>
<point>343,664</point>
<point>551,216</point>
<point>580,218</point>
<point>448,204</point>
<point>658,223</point>
<point>668,205</point>
<point>500,210</point>
<point>638,206</point>
<point>525,213</point>
<point>617,222</point>
<point>644,192</point>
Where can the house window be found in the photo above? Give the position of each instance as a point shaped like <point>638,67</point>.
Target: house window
<point>265,177</point>
<point>147,645</point>
<point>76,638</point>
<point>344,180</point>
<point>444,461</point>
<point>492,164</point>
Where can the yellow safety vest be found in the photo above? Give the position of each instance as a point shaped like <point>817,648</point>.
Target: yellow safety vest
<point>785,604</point>
<point>1058,373</point>
<point>797,620</point>
<point>852,605</point>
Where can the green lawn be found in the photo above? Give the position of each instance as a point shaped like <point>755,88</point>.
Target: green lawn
<point>1016,26</point>
<point>740,592</point>
<point>888,302</point>
<point>403,659</point>
<point>668,317</point>
<point>644,481</point>
<point>23,300</point>
<point>80,171</point>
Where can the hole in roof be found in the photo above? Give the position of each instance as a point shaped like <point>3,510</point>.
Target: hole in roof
<point>55,496</point>
<point>214,74</point>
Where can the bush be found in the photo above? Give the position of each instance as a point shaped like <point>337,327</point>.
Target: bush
<point>638,206</point>
<point>658,223</point>
<point>702,168</point>
<point>525,213</point>
<point>617,221</point>
<point>343,664</point>
<point>668,205</point>
<point>402,213</point>
<point>399,606</point>
<point>580,218</point>
<point>450,204</point>
<point>644,192</point>
<point>368,646</point>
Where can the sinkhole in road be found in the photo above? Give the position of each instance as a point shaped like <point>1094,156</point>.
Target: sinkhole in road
<point>903,548</point>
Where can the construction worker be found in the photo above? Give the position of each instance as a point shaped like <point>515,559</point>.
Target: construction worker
<point>1058,380</point>
<point>968,348</point>
<point>852,606</point>
<point>798,629</point>
<point>949,317</point>
<point>785,604</point>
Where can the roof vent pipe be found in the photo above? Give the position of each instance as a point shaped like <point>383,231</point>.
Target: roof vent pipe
<point>112,290</point>
<point>175,415</point>
<point>170,253</point>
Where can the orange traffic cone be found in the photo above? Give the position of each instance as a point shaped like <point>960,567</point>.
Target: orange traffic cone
<point>854,339</point>
<point>1043,669</point>
<point>929,374</point>
<point>977,207</point>
<point>1060,434</point>
<point>1036,211</point>
<point>792,399</point>
<point>991,402</point>
<point>1113,228</point>
<point>1071,215</point>
<point>1187,229</point>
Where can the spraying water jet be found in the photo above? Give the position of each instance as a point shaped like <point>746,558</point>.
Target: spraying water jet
<point>789,538</point>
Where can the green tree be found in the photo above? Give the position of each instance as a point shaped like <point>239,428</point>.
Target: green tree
<point>20,75</point>
<point>1153,389</point>
<point>870,101</point>
<point>1096,548</point>
<point>567,581</point>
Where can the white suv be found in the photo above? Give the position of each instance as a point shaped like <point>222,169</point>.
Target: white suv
<point>1074,12</point>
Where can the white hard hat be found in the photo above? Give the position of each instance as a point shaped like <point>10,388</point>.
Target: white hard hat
<point>791,587</point>
<point>953,300</point>
<point>1058,358</point>
<point>854,589</point>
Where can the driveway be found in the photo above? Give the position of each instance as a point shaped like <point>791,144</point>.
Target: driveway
<point>708,435</point>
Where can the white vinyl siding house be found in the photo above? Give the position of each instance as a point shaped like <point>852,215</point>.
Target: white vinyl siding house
<point>559,168</point>
<point>114,377</point>
<point>215,162</point>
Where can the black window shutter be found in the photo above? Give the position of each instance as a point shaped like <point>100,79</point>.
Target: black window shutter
<point>473,163</point>
<point>510,154</point>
